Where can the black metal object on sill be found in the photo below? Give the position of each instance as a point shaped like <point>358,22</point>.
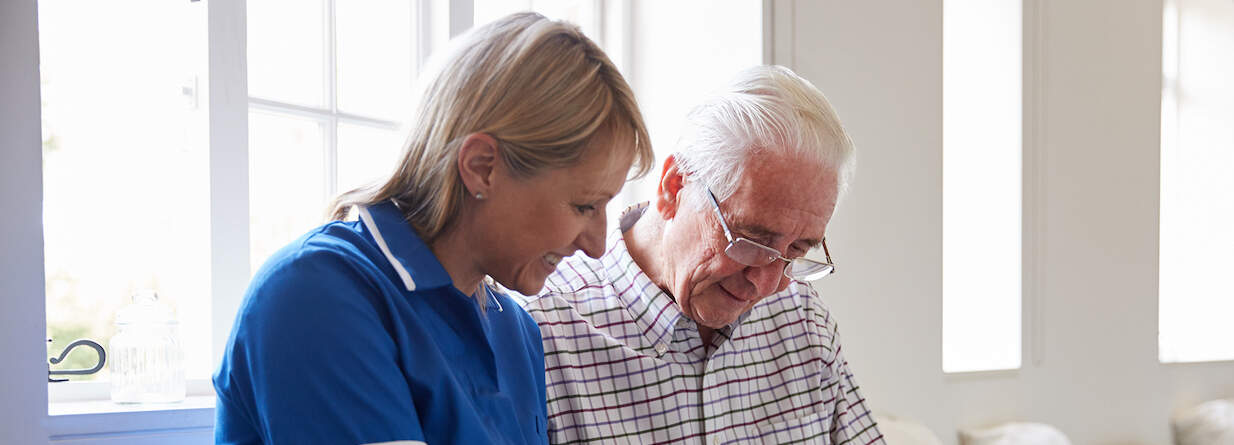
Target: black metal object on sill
<point>56,360</point>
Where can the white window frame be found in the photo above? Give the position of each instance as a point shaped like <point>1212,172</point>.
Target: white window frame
<point>328,115</point>
<point>70,404</point>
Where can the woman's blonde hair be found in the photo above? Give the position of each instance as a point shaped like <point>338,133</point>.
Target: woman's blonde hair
<point>539,87</point>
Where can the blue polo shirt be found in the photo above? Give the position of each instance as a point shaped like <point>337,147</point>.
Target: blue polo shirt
<point>355,334</point>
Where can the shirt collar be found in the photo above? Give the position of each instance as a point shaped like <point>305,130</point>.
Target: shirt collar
<point>654,311</point>
<point>402,247</point>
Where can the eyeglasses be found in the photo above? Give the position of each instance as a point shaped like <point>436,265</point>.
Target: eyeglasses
<point>754,254</point>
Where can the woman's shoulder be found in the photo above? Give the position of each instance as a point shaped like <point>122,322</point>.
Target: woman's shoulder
<point>332,258</point>
<point>335,243</point>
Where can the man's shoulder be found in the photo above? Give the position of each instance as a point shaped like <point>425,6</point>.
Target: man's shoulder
<point>576,285</point>
<point>801,303</point>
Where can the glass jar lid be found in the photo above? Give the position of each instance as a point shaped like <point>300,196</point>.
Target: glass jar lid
<point>146,309</point>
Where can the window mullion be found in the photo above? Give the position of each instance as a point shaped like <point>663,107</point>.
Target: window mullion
<point>330,133</point>
<point>229,165</point>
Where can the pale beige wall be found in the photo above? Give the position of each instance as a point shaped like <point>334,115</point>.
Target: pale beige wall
<point>1092,82</point>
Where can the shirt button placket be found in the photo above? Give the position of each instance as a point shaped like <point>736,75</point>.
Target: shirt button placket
<point>713,423</point>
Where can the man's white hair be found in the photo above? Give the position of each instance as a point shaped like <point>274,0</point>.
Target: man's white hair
<point>764,108</point>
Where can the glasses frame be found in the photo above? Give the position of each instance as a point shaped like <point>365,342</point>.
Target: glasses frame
<point>828,267</point>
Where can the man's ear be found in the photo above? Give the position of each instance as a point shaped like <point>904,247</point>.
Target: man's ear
<point>668,193</point>
<point>477,163</point>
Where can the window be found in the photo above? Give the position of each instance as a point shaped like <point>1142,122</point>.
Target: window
<point>128,153</point>
<point>126,196</point>
<point>981,184</point>
<point>1197,210</point>
<point>330,83</point>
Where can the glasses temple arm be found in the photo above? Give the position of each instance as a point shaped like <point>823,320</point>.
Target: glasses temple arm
<point>715,204</point>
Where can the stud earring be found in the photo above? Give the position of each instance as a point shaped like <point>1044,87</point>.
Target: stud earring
<point>480,196</point>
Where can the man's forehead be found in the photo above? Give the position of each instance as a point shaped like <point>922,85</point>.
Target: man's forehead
<point>782,194</point>
<point>804,219</point>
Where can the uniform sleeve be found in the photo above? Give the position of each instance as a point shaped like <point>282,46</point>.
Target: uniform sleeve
<point>311,360</point>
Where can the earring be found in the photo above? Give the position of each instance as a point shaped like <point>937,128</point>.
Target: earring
<point>480,196</point>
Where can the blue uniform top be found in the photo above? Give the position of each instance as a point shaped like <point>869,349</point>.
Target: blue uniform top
<point>355,334</point>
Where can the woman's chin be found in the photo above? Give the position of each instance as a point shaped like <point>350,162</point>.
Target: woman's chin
<point>528,285</point>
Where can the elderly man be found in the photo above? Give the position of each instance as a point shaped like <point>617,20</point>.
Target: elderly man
<point>697,325</point>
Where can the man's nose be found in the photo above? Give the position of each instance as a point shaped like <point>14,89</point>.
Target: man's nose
<point>766,279</point>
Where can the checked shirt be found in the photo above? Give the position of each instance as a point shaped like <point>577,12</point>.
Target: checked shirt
<point>623,365</point>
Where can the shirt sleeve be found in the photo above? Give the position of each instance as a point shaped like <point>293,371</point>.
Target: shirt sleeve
<point>311,361</point>
<point>852,421</point>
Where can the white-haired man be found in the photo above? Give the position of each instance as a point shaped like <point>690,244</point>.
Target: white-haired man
<point>697,325</point>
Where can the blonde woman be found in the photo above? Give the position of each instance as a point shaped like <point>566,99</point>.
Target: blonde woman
<point>383,329</point>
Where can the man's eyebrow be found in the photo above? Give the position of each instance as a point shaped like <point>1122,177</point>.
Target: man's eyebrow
<point>756,231</point>
<point>813,243</point>
<point>764,233</point>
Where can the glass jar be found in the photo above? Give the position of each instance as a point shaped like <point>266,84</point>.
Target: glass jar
<point>147,364</point>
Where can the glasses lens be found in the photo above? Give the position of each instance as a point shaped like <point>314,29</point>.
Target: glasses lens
<point>750,253</point>
<point>808,270</point>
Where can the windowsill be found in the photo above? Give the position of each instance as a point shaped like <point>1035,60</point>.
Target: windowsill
<point>106,406</point>
<point>981,375</point>
<point>67,420</point>
<point>1215,362</point>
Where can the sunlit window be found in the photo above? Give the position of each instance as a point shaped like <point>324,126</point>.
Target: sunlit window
<point>127,196</point>
<point>125,168</point>
<point>981,184</point>
<point>330,85</point>
<point>1197,159</point>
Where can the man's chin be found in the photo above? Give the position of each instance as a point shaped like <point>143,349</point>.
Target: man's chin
<point>716,319</point>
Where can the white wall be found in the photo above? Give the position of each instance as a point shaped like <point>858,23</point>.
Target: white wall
<point>1092,80</point>
<point>23,351</point>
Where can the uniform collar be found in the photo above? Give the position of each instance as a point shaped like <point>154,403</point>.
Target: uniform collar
<point>403,248</point>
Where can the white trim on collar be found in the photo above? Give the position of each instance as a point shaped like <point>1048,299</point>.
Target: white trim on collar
<point>367,219</point>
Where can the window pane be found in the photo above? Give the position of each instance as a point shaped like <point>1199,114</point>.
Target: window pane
<point>286,50</point>
<point>1197,209</point>
<point>375,74</point>
<point>286,181</point>
<point>981,184</point>
<point>366,154</point>
<point>125,168</point>
<point>675,64</point>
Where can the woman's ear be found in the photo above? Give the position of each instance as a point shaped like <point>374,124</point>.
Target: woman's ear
<point>668,193</point>
<point>477,163</point>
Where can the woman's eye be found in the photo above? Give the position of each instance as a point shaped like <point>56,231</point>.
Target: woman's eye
<point>585,209</point>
